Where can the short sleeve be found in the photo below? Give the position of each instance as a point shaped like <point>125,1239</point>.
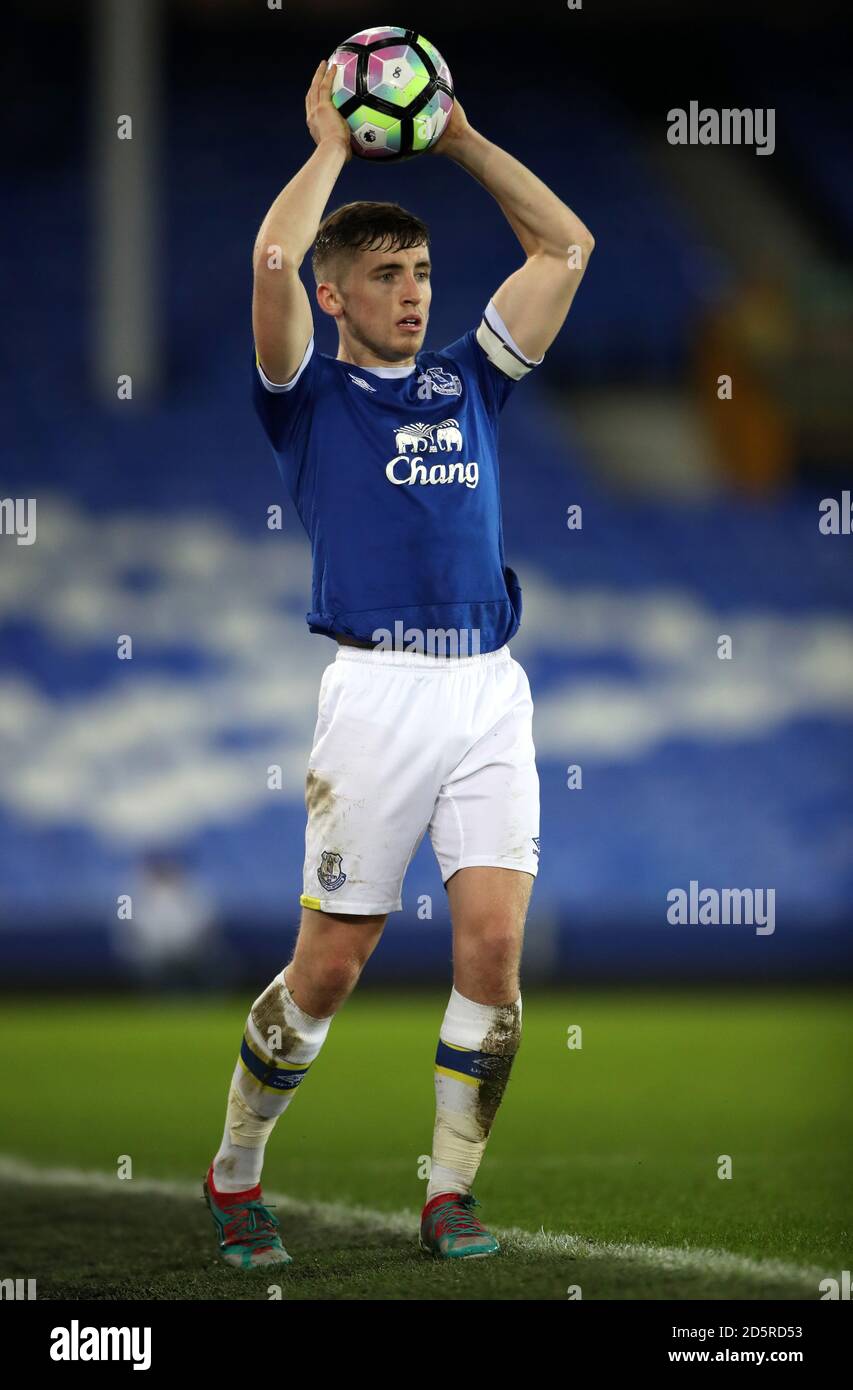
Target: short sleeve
<point>285,409</point>
<point>495,357</point>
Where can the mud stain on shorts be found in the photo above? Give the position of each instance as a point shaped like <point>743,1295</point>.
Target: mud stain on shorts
<point>320,796</point>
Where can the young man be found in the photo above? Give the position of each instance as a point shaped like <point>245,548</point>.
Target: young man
<point>389,453</point>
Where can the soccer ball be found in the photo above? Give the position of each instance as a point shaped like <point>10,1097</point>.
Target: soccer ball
<point>394,90</point>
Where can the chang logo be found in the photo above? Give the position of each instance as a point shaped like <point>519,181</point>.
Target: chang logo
<point>402,470</point>
<point>417,439</point>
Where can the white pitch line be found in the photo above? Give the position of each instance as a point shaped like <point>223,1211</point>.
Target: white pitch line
<point>684,1259</point>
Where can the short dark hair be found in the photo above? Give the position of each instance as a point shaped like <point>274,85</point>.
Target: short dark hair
<point>364,226</point>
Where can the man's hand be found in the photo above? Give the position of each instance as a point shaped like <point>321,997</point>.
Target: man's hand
<point>323,119</point>
<point>456,133</point>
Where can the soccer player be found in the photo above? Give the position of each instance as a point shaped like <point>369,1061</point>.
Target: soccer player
<point>425,720</point>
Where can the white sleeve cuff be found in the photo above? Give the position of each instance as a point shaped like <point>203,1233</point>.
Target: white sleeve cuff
<point>501,348</point>
<point>287,385</point>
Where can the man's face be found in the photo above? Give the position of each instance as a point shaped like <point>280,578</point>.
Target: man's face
<point>384,302</point>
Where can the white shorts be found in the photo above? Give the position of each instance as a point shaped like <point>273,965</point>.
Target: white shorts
<point>407,743</point>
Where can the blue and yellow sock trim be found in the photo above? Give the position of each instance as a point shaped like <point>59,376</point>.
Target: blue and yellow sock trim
<point>271,1074</point>
<point>463,1063</point>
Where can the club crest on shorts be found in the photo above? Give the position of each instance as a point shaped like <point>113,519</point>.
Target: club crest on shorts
<point>329,872</point>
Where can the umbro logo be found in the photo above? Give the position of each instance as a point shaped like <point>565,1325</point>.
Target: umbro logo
<point>535,839</point>
<point>360,381</point>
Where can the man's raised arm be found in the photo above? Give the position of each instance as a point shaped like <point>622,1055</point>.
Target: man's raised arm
<point>534,300</point>
<point>281,312</point>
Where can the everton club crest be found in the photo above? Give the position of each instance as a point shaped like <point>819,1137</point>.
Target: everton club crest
<point>329,872</point>
<point>436,381</point>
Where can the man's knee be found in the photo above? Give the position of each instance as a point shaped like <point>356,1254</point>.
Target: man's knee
<point>494,938</point>
<point>338,972</point>
<point>324,982</point>
<point>330,954</point>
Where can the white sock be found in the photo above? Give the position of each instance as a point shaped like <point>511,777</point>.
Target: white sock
<point>477,1044</point>
<point>279,1044</point>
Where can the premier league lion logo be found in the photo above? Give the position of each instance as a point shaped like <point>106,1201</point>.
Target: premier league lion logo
<point>329,872</point>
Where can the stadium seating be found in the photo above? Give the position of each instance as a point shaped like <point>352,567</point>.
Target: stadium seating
<point>152,522</point>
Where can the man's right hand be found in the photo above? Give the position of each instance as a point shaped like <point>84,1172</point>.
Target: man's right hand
<point>321,115</point>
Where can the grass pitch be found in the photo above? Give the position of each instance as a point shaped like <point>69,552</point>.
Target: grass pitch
<point>601,1172</point>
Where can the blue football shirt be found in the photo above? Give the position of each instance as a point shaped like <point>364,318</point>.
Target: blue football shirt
<point>394,475</point>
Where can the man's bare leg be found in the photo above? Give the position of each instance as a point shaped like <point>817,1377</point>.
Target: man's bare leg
<point>481,1031</point>
<point>330,953</point>
<point>285,1030</point>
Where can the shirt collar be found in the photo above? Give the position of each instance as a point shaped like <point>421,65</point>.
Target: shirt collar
<point>381,371</point>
